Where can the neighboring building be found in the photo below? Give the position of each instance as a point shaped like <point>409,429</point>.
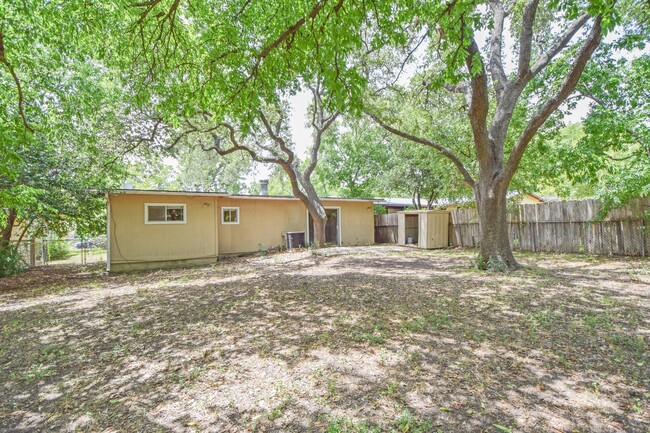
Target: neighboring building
<point>152,229</point>
<point>528,199</point>
<point>394,205</point>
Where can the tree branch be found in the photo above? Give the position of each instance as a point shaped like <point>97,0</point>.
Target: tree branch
<point>526,38</point>
<point>570,83</point>
<point>420,140</point>
<point>496,45</point>
<point>292,30</point>
<point>10,68</point>
<point>25,228</point>
<point>276,137</point>
<point>461,88</point>
<point>407,57</point>
<point>296,181</point>
<point>558,46</point>
<point>586,93</point>
<point>479,104</point>
<point>235,146</point>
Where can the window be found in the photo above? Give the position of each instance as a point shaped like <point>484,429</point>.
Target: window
<point>229,215</point>
<point>161,213</point>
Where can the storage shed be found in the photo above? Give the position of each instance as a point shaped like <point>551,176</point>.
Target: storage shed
<point>423,228</point>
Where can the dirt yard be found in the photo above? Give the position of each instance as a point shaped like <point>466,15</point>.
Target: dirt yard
<point>368,340</point>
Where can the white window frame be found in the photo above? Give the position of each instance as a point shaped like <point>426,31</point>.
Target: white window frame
<point>146,213</point>
<point>225,208</point>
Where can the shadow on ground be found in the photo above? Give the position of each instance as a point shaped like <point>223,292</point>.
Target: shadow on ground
<point>384,340</point>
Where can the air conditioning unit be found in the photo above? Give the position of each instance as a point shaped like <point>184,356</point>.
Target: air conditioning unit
<point>295,240</point>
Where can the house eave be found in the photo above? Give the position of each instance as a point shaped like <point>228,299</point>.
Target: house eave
<point>223,194</point>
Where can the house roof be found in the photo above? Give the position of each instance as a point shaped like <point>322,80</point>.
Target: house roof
<point>167,192</point>
<point>221,194</point>
<point>290,197</point>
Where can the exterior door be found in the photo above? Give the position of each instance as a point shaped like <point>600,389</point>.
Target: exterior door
<point>331,227</point>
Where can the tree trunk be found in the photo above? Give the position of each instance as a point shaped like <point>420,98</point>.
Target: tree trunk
<point>6,231</point>
<point>495,251</point>
<point>311,201</point>
<point>319,228</point>
<point>25,228</point>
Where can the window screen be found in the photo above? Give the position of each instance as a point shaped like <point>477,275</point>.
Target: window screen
<point>164,213</point>
<point>156,213</point>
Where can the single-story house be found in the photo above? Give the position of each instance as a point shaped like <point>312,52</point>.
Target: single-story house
<point>153,229</point>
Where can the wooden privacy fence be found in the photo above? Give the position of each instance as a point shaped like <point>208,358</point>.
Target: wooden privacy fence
<point>386,229</point>
<point>561,226</point>
<point>564,227</point>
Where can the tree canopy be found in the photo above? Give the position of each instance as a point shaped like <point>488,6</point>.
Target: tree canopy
<point>482,84</point>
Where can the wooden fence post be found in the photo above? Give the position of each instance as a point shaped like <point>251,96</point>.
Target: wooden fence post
<point>563,227</point>
<point>536,231</point>
<point>32,252</point>
<point>643,235</point>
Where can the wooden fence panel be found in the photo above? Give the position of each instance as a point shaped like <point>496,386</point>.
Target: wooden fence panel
<point>386,229</point>
<point>564,227</point>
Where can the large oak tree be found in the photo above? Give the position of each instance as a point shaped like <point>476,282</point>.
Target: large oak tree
<point>232,58</point>
<point>549,42</point>
<point>235,56</point>
<point>267,140</point>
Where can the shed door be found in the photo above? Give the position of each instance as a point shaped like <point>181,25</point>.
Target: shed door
<point>331,227</point>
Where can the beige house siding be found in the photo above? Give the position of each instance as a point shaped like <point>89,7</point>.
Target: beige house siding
<point>262,221</point>
<point>357,222</point>
<point>133,242</point>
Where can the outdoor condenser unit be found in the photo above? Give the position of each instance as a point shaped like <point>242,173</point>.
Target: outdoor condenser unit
<point>295,240</point>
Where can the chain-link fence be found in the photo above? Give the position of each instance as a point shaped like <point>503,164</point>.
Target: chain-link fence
<point>68,251</point>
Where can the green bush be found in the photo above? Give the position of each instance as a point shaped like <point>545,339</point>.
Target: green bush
<point>11,262</point>
<point>58,250</point>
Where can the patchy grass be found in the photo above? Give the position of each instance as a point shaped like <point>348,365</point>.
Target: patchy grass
<point>373,341</point>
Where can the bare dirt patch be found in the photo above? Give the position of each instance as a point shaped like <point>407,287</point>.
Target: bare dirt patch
<point>364,340</point>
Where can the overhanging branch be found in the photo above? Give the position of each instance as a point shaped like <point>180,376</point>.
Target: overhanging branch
<point>568,86</point>
<point>289,32</point>
<point>499,78</point>
<point>19,89</point>
<point>526,38</point>
<point>559,45</point>
<point>479,105</point>
<point>420,140</point>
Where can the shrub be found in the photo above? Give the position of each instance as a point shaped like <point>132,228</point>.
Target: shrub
<point>11,262</point>
<point>58,250</point>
